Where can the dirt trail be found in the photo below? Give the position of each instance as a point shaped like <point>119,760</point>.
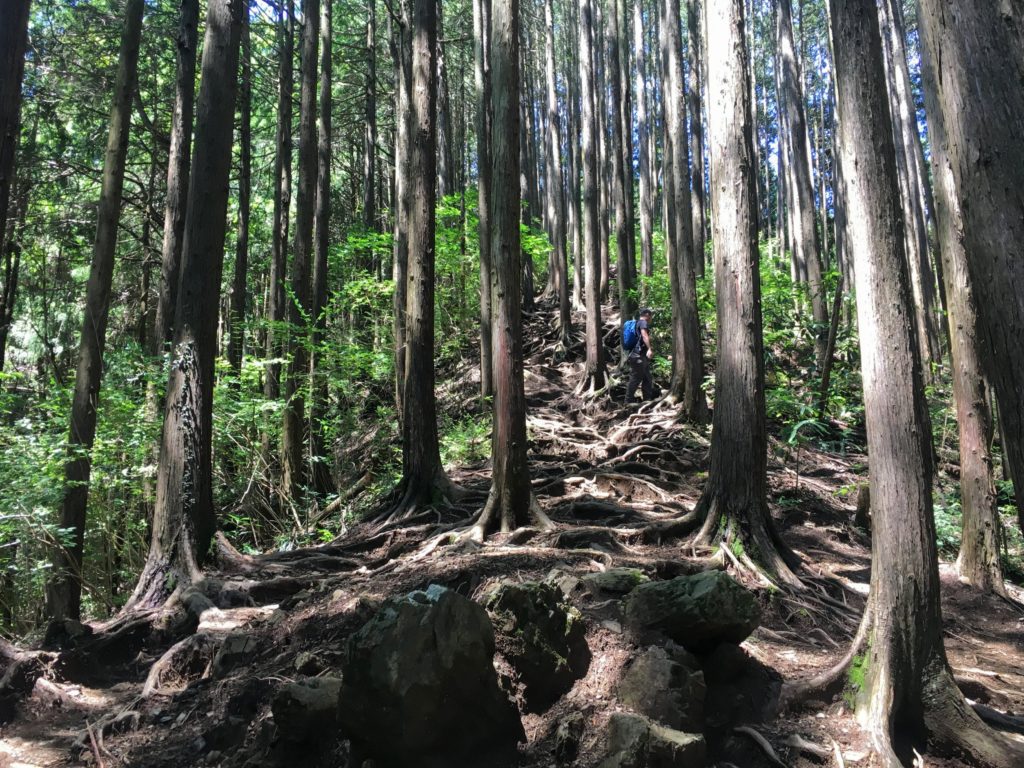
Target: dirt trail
<point>604,474</point>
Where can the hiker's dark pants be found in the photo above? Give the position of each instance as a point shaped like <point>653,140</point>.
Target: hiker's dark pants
<point>639,376</point>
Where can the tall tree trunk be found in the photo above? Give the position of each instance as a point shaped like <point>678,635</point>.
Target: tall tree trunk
<point>687,355</point>
<point>907,680</point>
<point>482,33</point>
<point>179,163</point>
<point>13,40</point>
<point>643,132</point>
<point>64,589</point>
<point>734,505</point>
<point>594,377</point>
<point>276,306</point>
<point>319,458</point>
<point>553,184</point>
<point>604,207</point>
<point>700,235</point>
<point>184,519</point>
<point>423,477</point>
<point>625,105</point>
<point>806,244</point>
<point>293,431</point>
<point>370,120</point>
<point>575,160</point>
<point>445,155</point>
<point>979,561</point>
<point>905,132</point>
<point>510,504</point>
<point>238,284</point>
<point>402,50</point>
<point>976,109</point>
<point>621,184</point>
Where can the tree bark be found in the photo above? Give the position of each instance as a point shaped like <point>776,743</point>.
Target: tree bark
<point>685,388</point>
<point>904,126</point>
<point>978,561</point>
<point>319,457</point>
<point>445,155</point>
<point>293,478</point>
<point>980,97</point>
<point>239,294</point>
<point>184,520</point>
<point>276,307</point>
<point>806,243</point>
<point>594,374</point>
<point>13,40</point>
<point>734,504</point>
<point>403,110</point>
<point>700,235</point>
<point>370,120</point>
<point>179,163</point>
<point>64,589</point>
<point>554,193</point>
<point>423,477</point>
<point>481,50</point>
<point>621,184</point>
<point>643,130</point>
<point>575,161</point>
<point>907,680</point>
<point>510,503</point>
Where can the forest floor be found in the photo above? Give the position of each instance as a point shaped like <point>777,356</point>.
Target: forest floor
<point>603,474</point>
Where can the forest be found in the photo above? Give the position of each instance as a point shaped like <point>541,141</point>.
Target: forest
<point>620,383</point>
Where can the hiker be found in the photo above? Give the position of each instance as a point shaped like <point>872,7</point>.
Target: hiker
<point>636,341</point>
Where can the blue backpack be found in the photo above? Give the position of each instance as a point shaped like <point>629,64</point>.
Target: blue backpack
<point>630,337</point>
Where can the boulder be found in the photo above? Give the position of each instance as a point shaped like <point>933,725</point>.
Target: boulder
<point>698,611</point>
<point>420,686</point>
<point>306,709</point>
<point>615,581</point>
<point>667,685</point>
<point>568,736</point>
<point>542,638</point>
<point>636,742</point>
<point>237,648</point>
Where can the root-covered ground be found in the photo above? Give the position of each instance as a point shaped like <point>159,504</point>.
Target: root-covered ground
<point>195,688</point>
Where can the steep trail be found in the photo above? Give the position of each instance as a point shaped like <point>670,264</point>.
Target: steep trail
<point>605,475</point>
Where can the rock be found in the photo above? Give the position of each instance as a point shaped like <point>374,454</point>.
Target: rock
<point>636,742</point>
<point>567,583</point>
<point>666,685</point>
<point>307,663</point>
<point>196,603</point>
<point>568,735</point>
<point>696,611</point>
<point>615,581</point>
<point>237,648</point>
<point>306,709</point>
<point>542,639</point>
<point>226,733</point>
<point>420,686</point>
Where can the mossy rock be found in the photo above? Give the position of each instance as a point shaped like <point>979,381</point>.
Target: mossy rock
<point>615,581</point>
<point>541,637</point>
<point>698,611</point>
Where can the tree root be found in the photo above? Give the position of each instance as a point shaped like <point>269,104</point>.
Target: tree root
<point>795,693</point>
<point>762,742</point>
<point>677,528</point>
<point>1000,720</point>
<point>185,661</point>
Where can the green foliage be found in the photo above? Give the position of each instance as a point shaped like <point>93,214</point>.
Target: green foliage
<point>465,441</point>
<point>856,679</point>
